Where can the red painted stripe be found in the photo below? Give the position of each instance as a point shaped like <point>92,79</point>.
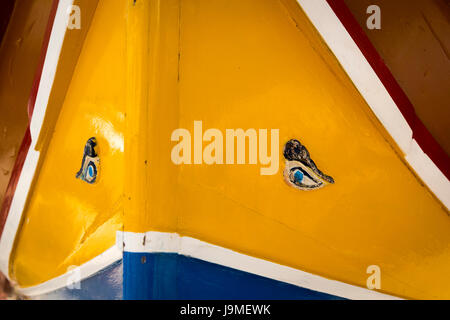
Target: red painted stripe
<point>14,179</point>
<point>420,133</point>
<point>26,142</point>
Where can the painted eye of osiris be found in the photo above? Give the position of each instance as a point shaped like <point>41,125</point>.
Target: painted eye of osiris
<point>301,172</point>
<point>90,162</point>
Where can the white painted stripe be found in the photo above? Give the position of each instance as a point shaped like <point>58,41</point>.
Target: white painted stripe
<point>429,173</point>
<point>15,211</point>
<point>50,65</point>
<point>358,69</point>
<point>82,272</point>
<point>377,97</point>
<point>26,177</point>
<point>153,241</point>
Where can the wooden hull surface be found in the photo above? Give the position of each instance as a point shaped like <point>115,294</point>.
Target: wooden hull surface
<point>143,226</point>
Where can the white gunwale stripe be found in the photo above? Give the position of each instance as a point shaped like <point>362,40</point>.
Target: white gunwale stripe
<point>154,242</point>
<point>377,97</point>
<point>29,169</point>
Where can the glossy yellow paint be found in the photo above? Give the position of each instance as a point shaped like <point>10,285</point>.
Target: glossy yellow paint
<point>150,67</point>
<point>67,221</point>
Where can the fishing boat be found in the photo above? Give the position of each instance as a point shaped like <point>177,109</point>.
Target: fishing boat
<point>218,149</point>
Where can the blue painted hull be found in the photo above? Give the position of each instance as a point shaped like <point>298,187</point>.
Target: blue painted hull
<point>171,276</point>
<point>104,285</point>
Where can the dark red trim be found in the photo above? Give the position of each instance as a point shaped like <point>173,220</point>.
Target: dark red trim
<point>14,179</point>
<point>26,142</point>
<point>420,133</point>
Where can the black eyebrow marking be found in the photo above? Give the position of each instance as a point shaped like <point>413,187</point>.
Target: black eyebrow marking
<point>295,151</point>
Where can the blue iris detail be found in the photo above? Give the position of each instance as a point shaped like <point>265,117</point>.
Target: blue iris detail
<point>298,176</point>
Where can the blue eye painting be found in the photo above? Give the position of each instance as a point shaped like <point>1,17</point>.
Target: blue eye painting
<point>90,162</point>
<point>301,172</point>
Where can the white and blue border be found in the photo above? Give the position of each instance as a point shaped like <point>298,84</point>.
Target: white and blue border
<point>159,265</point>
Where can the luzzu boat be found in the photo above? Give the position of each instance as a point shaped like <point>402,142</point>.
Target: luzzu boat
<point>213,149</point>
